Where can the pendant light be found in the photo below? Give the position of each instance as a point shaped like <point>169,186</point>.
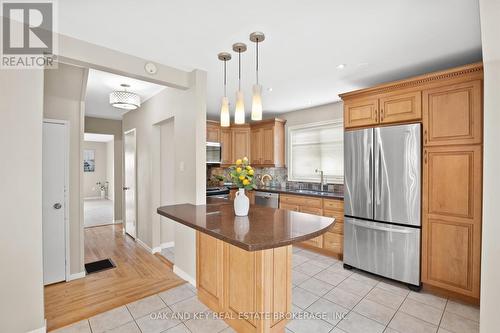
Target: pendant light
<point>239,112</point>
<point>257,37</point>
<point>224,109</point>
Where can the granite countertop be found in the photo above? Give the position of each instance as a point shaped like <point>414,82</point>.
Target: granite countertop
<point>263,228</point>
<point>308,193</point>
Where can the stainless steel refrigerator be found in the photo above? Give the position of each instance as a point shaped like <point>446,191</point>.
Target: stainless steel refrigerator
<point>382,201</point>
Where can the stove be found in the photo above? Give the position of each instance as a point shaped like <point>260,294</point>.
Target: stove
<point>218,192</point>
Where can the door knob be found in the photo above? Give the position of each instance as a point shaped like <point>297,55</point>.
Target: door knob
<point>126,188</point>
<point>57,205</point>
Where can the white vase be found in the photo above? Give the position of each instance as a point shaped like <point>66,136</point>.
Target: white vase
<point>241,203</point>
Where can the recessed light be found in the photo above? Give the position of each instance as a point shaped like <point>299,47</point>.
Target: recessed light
<point>341,66</point>
<point>270,89</point>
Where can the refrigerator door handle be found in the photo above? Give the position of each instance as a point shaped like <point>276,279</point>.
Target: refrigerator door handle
<point>370,174</point>
<point>378,186</point>
<point>367,226</point>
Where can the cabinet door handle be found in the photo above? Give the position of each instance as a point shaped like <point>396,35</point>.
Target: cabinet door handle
<point>376,114</point>
<point>381,114</point>
<point>425,156</point>
<point>425,136</point>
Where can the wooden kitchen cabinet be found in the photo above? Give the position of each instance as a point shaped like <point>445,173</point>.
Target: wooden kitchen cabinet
<point>451,226</point>
<point>360,112</point>
<point>332,240</point>
<point>213,131</point>
<point>226,139</point>
<point>395,108</point>
<point>268,143</point>
<point>240,142</point>
<point>453,114</point>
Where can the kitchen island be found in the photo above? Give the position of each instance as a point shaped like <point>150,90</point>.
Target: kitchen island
<point>243,264</point>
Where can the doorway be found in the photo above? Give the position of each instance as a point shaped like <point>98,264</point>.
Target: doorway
<point>55,180</point>
<point>129,188</point>
<point>98,179</point>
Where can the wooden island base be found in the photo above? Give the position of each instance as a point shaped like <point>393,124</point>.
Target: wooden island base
<point>241,284</point>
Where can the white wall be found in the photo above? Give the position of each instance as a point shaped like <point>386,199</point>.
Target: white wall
<point>90,188</point>
<point>167,180</point>
<point>187,110</point>
<point>490,262</point>
<point>21,274</point>
<point>112,127</point>
<point>64,99</point>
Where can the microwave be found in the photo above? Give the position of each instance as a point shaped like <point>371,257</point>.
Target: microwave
<point>214,153</point>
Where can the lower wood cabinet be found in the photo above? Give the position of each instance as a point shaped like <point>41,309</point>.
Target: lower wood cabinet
<point>451,219</point>
<point>331,241</point>
<point>239,282</point>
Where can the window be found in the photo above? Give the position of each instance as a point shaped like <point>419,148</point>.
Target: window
<point>316,146</point>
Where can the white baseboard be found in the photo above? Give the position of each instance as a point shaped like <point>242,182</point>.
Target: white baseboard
<point>42,329</point>
<point>118,221</point>
<point>163,246</point>
<point>76,276</point>
<point>167,245</point>
<point>92,198</point>
<point>185,276</point>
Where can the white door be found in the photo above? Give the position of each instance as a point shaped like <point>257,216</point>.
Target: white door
<point>130,183</point>
<point>53,211</point>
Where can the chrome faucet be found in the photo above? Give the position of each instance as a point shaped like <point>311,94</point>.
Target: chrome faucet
<point>322,179</point>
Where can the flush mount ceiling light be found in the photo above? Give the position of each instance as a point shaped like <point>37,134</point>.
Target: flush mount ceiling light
<point>257,37</point>
<point>224,109</point>
<point>123,99</point>
<point>239,112</point>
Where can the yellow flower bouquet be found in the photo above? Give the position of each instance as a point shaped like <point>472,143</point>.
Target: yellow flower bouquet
<point>242,174</point>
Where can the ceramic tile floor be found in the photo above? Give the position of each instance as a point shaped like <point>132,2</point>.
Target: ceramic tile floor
<point>351,302</point>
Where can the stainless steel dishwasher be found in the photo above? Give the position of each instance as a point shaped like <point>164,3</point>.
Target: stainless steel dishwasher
<point>267,199</point>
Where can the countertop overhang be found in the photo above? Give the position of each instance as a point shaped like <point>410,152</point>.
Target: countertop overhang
<point>263,228</point>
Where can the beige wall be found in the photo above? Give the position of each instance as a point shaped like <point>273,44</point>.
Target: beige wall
<point>90,188</point>
<point>490,262</point>
<point>113,127</point>
<point>63,99</point>
<point>187,110</point>
<point>21,275</point>
<point>333,111</point>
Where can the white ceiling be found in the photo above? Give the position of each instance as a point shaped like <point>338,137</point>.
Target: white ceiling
<point>379,41</point>
<point>100,84</point>
<point>98,137</point>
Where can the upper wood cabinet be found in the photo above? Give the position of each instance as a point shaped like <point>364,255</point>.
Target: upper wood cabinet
<point>240,142</point>
<point>383,109</point>
<point>396,108</point>
<point>226,139</point>
<point>268,143</point>
<point>262,142</point>
<point>451,225</point>
<point>213,131</point>
<point>360,112</point>
<point>453,114</point>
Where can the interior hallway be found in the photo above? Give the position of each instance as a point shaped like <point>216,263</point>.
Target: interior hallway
<point>138,274</point>
<point>97,212</point>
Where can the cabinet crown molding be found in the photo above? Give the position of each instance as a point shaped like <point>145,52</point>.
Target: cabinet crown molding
<point>417,81</point>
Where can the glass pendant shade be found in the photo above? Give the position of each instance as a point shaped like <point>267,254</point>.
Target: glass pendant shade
<point>257,102</point>
<point>239,113</point>
<point>224,113</point>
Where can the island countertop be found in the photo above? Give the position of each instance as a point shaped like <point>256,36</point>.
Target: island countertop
<point>263,228</point>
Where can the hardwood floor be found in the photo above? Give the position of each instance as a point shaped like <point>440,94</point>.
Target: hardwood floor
<point>138,274</point>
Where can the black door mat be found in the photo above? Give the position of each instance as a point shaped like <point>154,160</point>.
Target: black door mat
<point>99,266</point>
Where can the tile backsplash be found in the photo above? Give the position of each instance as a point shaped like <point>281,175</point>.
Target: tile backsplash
<point>279,179</point>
